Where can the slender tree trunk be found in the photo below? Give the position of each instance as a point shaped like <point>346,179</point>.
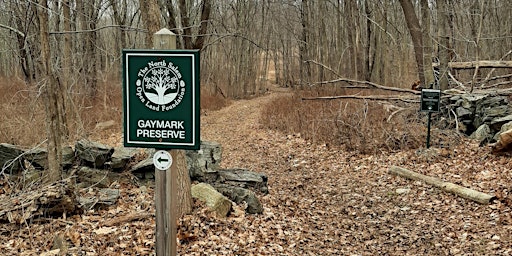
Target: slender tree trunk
<point>185,23</point>
<point>51,99</point>
<point>427,42</point>
<point>443,44</point>
<point>305,67</point>
<point>417,38</point>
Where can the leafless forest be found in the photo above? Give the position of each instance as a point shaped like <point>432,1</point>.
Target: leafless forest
<point>303,43</point>
<point>60,77</point>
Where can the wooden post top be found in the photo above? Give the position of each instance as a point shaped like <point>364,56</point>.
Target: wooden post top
<point>164,39</point>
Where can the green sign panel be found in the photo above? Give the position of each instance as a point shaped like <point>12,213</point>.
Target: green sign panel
<point>161,99</point>
<point>430,100</point>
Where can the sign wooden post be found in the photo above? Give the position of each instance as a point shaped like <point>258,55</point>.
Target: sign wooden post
<point>165,181</point>
<point>161,110</point>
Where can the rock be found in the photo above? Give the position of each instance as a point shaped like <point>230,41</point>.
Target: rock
<point>482,134</point>
<point>38,157</point>
<point>104,125</point>
<point>89,177</point>
<point>239,195</point>
<point>203,163</point>
<point>463,112</point>
<point>10,160</point>
<point>469,101</point>
<point>488,115</point>
<point>104,196</point>
<point>121,157</point>
<point>93,153</point>
<point>68,156</point>
<point>244,178</point>
<point>504,128</point>
<point>498,122</point>
<point>218,203</point>
<point>144,169</point>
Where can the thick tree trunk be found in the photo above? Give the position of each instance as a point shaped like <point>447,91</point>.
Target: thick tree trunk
<point>150,14</point>
<point>417,38</point>
<point>203,28</point>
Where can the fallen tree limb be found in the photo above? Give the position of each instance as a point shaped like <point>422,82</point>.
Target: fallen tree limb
<point>446,186</point>
<point>369,97</point>
<point>370,84</point>
<point>478,63</point>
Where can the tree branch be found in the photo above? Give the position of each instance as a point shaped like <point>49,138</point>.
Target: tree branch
<point>368,83</point>
<point>97,29</point>
<point>12,29</point>
<point>370,97</point>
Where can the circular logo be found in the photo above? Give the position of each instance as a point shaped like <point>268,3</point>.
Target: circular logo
<point>159,86</point>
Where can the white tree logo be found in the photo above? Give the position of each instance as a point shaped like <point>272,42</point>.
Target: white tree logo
<point>160,86</point>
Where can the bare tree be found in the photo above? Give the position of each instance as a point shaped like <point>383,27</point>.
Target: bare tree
<point>53,98</point>
<point>416,34</point>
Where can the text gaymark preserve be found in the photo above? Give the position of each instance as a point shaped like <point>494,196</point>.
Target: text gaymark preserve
<point>161,129</point>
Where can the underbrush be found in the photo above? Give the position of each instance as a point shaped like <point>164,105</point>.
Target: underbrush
<point>213,102</point>
<point>354,124</point>
<point>23,118</point>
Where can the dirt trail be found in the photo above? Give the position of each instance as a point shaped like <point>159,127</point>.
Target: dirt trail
<point>321,201</point>
<point>326,201</point>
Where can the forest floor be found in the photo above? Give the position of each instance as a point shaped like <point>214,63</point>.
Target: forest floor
<point>322,201</point>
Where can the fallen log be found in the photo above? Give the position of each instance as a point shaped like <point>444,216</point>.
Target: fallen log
<point>53,199</point>
<point>478,63</point>
<point>217,202</point>
<point>446,186</point>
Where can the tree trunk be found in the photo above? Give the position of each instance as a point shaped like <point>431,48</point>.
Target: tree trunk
<point>417,38</point>
<point>52,99</point>
<point>442,13</point>
<point>203,28</point>
<point>185,24</point>
<point>304,66</point>
<point>151,17</point>
<point>427,42</point>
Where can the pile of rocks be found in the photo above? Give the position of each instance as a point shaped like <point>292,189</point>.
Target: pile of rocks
<point>481,116</point>
<point>97,165</point>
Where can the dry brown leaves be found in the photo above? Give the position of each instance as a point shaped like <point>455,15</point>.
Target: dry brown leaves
<point>322,201</point>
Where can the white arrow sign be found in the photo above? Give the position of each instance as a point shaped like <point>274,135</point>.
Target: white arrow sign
<point>162,160</point>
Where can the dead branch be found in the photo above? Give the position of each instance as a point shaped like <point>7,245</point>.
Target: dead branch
<point>370,97</point>
<point>480,64</point>
<point>446,186</point>
<point>368,83</point>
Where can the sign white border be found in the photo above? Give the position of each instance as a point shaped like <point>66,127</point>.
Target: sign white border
<point>157,160</point>
<point>127,90</point>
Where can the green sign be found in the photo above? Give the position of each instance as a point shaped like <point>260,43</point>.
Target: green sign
<point>161,99</point>
<point>430,100</point>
